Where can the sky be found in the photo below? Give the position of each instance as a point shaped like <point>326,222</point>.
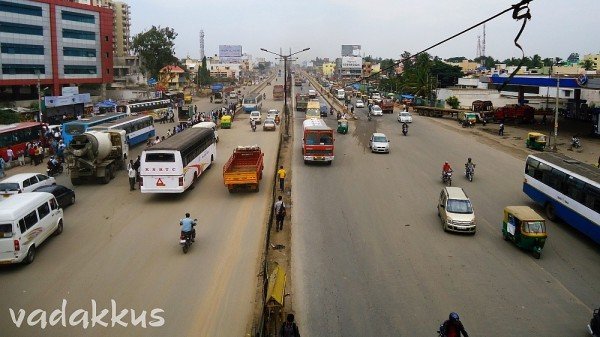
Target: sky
<point>384,28</point>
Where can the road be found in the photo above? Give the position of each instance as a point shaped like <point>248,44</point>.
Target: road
<point>124,246</point>
<point>370,257</point>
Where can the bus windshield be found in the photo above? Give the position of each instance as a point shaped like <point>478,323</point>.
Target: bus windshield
<point>160,157</point>
<point>319,138</point>
<point>249,100</point>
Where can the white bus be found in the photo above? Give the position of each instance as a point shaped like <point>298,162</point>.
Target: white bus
<point>138,129</point>
<point>568,189</point>
<point>253,102</point>
<point>340,94</point>
<point>174,164</point>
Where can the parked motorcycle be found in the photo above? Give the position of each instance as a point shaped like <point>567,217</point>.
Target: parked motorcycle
<point>186,239</point>
<point>575,143</point>
<point>447,178</point>
<point>470,171</point>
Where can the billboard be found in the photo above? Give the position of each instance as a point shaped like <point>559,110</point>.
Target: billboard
<point>350,50</point>
<point>230,53</point>
<point>351,62</point>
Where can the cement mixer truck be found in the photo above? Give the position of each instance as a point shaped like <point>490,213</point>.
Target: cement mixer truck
<point>96,154</point>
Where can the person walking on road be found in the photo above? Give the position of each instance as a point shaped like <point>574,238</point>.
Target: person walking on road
<point>289,327</point>
<point>10,154</point>
<point>279,213</point>
<point>281,174</point>
<point>501,129</point>
<point>131,174</point>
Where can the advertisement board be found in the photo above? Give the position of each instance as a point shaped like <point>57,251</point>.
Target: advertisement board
<point>230,51</point>
<point>351,62</point>
<point>67,91</point>
<point>350,50</point>
<point>54,101</point>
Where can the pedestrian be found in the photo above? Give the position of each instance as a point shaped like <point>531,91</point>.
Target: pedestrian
<point>131,174</point>
<point>37,154</point>
<point>501,129</point>
<point>598,161</point>
<point>1,167</point>
<point>9,154</point>
<point>157,140</point>
<point>168,133</point>
<point>136,167</point>
<point>279,208</point>
<point>130,164</point>
<point>289,327</point>
<point>281,174</point>
<point>31,153</point>
<point>22,158</point>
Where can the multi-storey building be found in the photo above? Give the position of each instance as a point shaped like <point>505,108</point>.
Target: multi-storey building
<point>55,42</point>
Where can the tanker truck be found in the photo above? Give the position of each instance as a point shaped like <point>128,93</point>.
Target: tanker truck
<point>96,154</point>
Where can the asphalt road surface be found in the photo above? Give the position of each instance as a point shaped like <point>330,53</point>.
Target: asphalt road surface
<point>370,257</point>
<point>124,246</point>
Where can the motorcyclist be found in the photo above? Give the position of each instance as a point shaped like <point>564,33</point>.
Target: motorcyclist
<point>53,164</point>
<point>453,327</point>
<point>404,128</point>
<point>187,227</point>
<point>253,124</point>
<point>446,169</point>
<point>469,165</point>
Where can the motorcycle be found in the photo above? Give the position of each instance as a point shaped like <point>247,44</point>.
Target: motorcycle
<point>594,327</point>
<point>253,126</point>
<point>469,171</point>
<point>186,239</point>
<point>447,178</point>
<point>54,169</point>
<point>405,130</point>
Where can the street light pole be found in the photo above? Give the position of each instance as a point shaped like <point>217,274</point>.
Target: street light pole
<point>285,86</point>
<point>556,113</point>
<point>39,96</point>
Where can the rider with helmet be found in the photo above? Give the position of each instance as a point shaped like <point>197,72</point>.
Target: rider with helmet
<point>453,327</point>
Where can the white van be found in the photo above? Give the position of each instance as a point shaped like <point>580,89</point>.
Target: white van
<point>24,182</point>
<point>27,220</point>
<point>208,125</point>
<point>255,116</point>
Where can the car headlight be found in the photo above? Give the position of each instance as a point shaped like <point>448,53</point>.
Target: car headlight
<point>449,221</point>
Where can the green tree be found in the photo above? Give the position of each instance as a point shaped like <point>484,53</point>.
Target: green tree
<point>203,73</point>
<point>8,116</point>
<point>453,102</point>
<point>587,64</point>
<point>536,61</point>
<point>456,59</point>
<point>388,68</point>
<point>547,62</point>
<point>155,48</point>
<point>446,74</point>
<point>417,78</point>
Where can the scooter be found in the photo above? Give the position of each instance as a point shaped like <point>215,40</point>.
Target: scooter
<point>447,178</point>
<point>186,239</point>
<point>575,143</point>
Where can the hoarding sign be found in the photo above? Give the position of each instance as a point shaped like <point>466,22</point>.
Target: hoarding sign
<point>351,62</point>
<point>350,50</point>
<point>67,91</point>
<point>230,51</point>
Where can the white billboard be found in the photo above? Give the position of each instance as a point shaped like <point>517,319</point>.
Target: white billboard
<point>350,50</point>
<point>226,51</point>
<point>351,62</point>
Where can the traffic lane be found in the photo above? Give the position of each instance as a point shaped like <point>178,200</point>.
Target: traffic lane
<point>127,250</point>
<point>394,241</point>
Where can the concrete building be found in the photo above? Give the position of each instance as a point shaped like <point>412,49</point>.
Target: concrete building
<point>328,69</point>
<point>55,42</point>
<point>228,70</point>
<point>174,77</point>
<point>595,58</point>
<point>467,67</point>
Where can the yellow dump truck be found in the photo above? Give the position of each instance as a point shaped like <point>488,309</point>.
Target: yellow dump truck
<point>244,169</point>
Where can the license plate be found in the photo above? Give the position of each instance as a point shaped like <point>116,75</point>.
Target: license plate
<point>5,195</point>
<point>319,158</point>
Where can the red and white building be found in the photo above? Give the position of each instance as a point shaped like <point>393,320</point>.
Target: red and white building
<point>57,42</point>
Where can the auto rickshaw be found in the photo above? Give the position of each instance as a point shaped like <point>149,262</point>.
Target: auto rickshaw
<point>536,141</point>
<point>226,122</point>
<point>525,228</point>
<point>342,126</point>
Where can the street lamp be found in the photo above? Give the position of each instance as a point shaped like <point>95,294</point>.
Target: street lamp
<point>285,84</point>
<point>554,148</point>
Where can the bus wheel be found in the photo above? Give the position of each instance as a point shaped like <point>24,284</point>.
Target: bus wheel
<point>550,212</point>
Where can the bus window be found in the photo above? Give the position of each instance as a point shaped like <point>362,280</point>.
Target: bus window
<point>160,157</point>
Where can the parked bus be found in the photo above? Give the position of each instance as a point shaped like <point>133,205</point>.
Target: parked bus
<point>568,189</point>
<point>155,108</point>
<point>138,129</point>
<point>253,103</point>
<point>317,141</point>
<point>80,126</point>
<point>174,164</point>
<point>16,136</point>
<point>313,109</point>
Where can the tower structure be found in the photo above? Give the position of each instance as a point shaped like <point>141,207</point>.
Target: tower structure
<point>201,44</point>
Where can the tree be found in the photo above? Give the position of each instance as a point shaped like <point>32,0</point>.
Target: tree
<point>203,73</point>
<point>456,59</point>
<point>536,61</point>
<point>587,64</point>
<point>446,74</point>
<point>487,61</point>
<point>387,67</point>
<point>156,49</point>
<point>453,102</point>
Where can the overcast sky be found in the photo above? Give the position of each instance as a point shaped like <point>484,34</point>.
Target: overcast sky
<point>384,28</point>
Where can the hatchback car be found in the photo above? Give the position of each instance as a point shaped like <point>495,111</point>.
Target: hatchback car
<point>455,211</point>
<point>379,143</point>
<point>273,112</point>
<point>255,116</point>
<point>64,195</point>
<point>359,103</point>
<point>376,110</point>
<point>404,117</point>
<point>24,182</point>
<point>269,124</point>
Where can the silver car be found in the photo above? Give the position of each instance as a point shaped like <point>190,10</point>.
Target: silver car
<point>379,143</point>
<point>269,124</point>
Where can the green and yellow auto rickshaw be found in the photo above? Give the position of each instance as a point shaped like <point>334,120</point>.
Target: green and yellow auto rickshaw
<point>342,126</point>
<point>525,228</point>
<point>226,122</point>
<point>536,141</point>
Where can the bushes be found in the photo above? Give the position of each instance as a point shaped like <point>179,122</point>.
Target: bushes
<point>453,102</point>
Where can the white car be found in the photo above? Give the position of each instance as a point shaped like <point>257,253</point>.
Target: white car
<point>359,103</point>
<point>24,182</point>
<point>273,112</point>
<point>404,117</point>
<point>255,116</point>
<point>379,143</point>
<point>376,110</point>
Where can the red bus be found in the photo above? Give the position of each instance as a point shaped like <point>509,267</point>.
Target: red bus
<point>317,141</point>
<point>17,135</point>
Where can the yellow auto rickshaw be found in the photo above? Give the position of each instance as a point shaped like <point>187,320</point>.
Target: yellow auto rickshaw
<point>525,228</point>
<point>226,122</point>
<point>536,141</point>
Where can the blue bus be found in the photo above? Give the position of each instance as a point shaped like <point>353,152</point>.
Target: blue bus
<point>252,103</point>
<point>138,129</point>
<point>80,126</point>
<point>567,189</point>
